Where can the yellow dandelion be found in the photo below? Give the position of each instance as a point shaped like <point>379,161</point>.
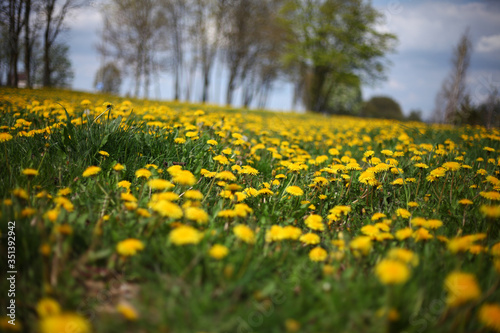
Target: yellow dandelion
<point>314,222</point>
<point>124,183</point>
<point>391,272</point>
<point>218,251</point>
<point>492,195</point>
<point>160,184</point>
<point>30,172</point>
<point>244,233</point>
<point>196,214</point>
<point>294,190</point>
<point>310,239</point>
<point>167,209</point>
<point>465,202</point>
<point>184,177</point>
<point>143,173</point>
<point>61,323</point>
<point>5,137</point>
<point>403,234</point>
<point>361,244</point>
<point>129,247</point>
<point>489,316</point>
<point>127,311</point>
<point>91,171</point>
<point>461,287</point>
<point>226,175</point>
<point>404,255</point>
<point>193,195</point>
<point>490,211</point>
<point>403,213</point>
<point>378,216</point>
<point>118,167</point>
<point>47,307</point>
<point>185,235</point>
<point>318,254</point>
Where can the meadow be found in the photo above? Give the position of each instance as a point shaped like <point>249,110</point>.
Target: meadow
<point>145,216</point>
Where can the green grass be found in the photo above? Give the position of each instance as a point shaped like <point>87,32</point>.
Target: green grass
<point>257,287</point>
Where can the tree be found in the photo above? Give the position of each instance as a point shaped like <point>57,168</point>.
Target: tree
<point>330,42</point>
<point>415,115</point>
<point>54,12</point>
<point>13,13</point>
<point>61,72</point>
<point>108,79</point>
<point>132,36</point>
<point>453,90</point>
<point>382,107</point>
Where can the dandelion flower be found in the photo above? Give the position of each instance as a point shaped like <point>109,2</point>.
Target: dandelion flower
<point>185,235</point>
<point>294,190</point>
<point>244,233</point>
<point>403,234</point>
<point>218,251</point>
<point>314,222</point>
<point>47,307</point>
<point>403,255</point>
<point>30,172</point>
<point>226,175</point>
<point>118,167</point>
<point>62,322</point>
<point>490,211</point>
<point>489,315</point>
<point>184,177</point>
<point>391,271</point>
<point>143,173</point>
<point>91,171</point>
<point>129,247</point>
<point>492,195</point>
<point>461,287</point>
<point>465,202</point>
<point>124,183</point>
<point>160,184</point>
<point>422,234</point>
<point>378,216</point>
<point>193,195</point>
<point>5,137</point>
<point>318,254</point>
<point>167,209</point>
<point>310,239</point>
<point>127,311</point>
<point>403,213</point>
<point>196,214</point>
<point>363,244</point>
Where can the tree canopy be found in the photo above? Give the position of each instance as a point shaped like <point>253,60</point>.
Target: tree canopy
<point>332,43</point>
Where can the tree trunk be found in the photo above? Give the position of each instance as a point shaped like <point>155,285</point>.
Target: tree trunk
<point>46,49</point>
<point>27,43</point>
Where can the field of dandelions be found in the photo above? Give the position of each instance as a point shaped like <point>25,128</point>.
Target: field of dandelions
<point>144,216</point>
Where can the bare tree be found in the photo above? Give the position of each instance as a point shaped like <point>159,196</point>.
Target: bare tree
<point>132,37</point>
<point>454,90</point>
<point>54,12</point>
<point>13,13</point>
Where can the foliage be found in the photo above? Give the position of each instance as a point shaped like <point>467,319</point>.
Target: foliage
<point>61,71</point>
<point>136,215</point>
<point>382,107</point>
<point>108,79</point>
<point>334,43</point>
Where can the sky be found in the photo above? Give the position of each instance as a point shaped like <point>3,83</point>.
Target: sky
<point>427,31</point>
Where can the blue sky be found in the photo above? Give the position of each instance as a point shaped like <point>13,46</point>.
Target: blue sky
<point>427,30</point>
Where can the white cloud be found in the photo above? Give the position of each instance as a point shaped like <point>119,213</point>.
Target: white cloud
<point>488,44</point>
<point>437,26</point>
